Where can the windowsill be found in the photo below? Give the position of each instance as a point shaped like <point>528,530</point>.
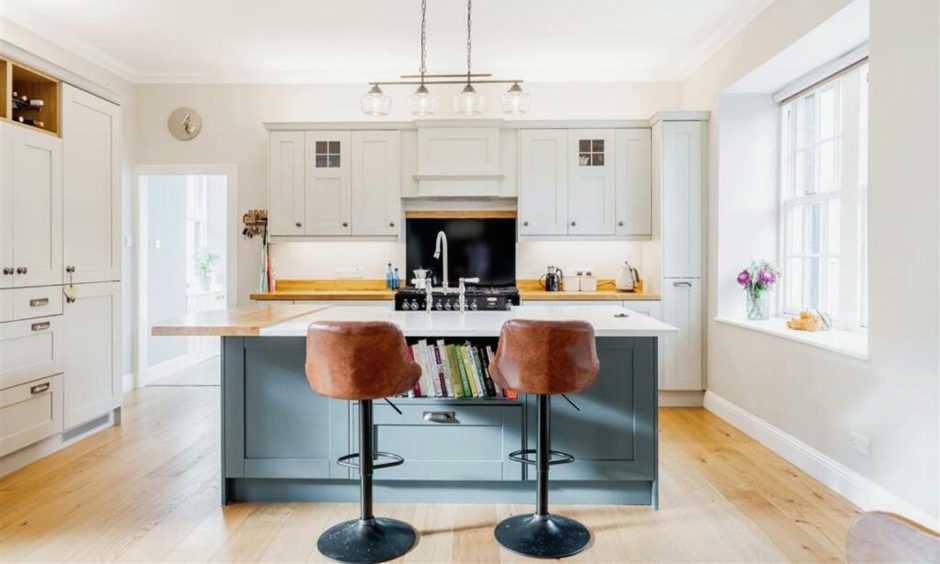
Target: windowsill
<point>841,341</point>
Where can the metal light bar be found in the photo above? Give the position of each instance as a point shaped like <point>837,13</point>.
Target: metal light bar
<point>428,82</point>
<point>460,75</point>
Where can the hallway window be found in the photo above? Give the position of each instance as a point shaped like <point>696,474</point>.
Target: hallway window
<point>824,177</point>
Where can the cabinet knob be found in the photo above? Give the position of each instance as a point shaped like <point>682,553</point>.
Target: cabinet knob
<point>620,223</point>
<point>21,270</point>
<point>391,224</point>
<point>573,224</point>
<point>7,270</point>
<point>298,224</point>
<point>70,269</point>
<point>345,224</point>
<point>525,223</point>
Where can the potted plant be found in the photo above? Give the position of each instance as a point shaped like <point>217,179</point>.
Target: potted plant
<point>204,260</point>
<point>758,281</point>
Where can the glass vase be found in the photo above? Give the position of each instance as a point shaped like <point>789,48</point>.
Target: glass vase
<point>758,305</point>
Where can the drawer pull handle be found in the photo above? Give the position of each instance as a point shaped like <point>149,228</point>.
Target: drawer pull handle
<point>440,417</point>
<point>38,302</point>
<point>679,284</point>
<point>39,326</point>
<point>39,388</point>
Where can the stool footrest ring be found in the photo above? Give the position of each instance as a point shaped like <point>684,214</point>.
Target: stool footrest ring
<point>395,460</point>
<point>520,456</point>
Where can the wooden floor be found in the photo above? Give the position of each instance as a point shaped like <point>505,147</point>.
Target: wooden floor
<point>148,491</point>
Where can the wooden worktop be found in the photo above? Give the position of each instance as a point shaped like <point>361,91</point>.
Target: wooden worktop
<point>369,290</point>
<point>310,290</point>
<point>531,290</point>
<point>245,321</point>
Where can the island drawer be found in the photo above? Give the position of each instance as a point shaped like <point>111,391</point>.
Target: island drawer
<point>29,413</point>
<point>30,303</point>
<point>446,440</point>
<point>30,349</point>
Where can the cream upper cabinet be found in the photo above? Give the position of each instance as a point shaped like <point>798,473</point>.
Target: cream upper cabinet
<point>543,182</point>
<point>6,206</point>
<point>286,177</point>
<point>679,173</point>
<point>91,361</point>
<point>327,183</point>
<point>376,182</point>
<point>91,187</point>
<point>634,197</point>
<point>591,192</point>
<point>36,187</point>
<point>682,307</point>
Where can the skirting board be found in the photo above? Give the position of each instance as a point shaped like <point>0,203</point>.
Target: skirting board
<point>833,474</point>
<point>671,398</point>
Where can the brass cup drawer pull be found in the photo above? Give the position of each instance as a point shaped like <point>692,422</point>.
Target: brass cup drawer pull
<point>42,325</point>
<point>440,417</point>
<point>39,388</point>
<point>38,302</point>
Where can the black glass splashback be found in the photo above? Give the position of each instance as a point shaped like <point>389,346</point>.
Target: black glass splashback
<point>483,248</point>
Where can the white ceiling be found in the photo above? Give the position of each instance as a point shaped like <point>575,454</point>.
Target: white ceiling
<point>361,40</point>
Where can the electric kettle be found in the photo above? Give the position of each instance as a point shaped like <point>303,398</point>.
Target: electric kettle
<point>627,278</point>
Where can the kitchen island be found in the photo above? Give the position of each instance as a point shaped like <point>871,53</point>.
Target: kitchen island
<point>280,440</point>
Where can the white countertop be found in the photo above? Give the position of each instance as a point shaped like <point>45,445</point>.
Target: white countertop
<point>477,323</point>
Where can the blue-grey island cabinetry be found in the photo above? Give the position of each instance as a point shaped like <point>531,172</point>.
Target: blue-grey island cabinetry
<point>281,440</point>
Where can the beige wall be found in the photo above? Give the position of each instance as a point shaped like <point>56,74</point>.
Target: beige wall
<point>817,396</point>
<point>233,134</point>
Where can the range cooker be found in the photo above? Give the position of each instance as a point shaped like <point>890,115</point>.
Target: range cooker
<point>479,298</point>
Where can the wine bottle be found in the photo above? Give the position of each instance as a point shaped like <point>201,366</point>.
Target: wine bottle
<point>33,122</point>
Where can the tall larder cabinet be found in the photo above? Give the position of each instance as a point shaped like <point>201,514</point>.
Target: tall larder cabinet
<point>679,177</point>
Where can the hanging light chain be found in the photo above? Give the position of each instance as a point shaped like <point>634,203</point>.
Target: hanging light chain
<point>468,40</point>
<point>424,39</point>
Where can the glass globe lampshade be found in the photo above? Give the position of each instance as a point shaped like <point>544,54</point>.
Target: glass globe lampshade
<point>375,102</point>
<point>515,101</point>
<point>422,103</point>
<point>468,102</point>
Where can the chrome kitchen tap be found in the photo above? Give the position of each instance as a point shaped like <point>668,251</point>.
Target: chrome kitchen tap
<point>462,293</point>
<point>442,237</point>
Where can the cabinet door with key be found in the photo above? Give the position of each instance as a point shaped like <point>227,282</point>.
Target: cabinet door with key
<point>591,190</point>
<point>91,191</point>
<point>91,339</point>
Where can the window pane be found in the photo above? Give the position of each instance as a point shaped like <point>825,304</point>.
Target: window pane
<point>806,121</point>
<point>584,145</point>
<point>321,147</point>
<point>812,279</point>
<point>793,285</point>
<point>334,161</point>
<point>795,231</point>
<point>584,159</point>
<point>833,227</point>
<point>806,171</point>
<point>321,161</point>
<point>598,159</point>
<point>828,108</point>
<point>828,167</point>
<point>814,229</point>
<point>830,304</point>
<point>598,145</point>
<point>334,147</point>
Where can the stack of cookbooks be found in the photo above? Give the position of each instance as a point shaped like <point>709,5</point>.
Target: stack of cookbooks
<point>455,371</point>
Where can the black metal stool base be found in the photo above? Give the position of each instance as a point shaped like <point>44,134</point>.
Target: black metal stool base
<point>548,536</point>
<point>374,540</point>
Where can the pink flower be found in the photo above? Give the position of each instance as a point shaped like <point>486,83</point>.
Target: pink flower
<point>744,278</point>
<point>767,277</point>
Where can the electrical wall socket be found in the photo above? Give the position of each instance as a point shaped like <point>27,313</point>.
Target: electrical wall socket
<point>860,443</point>
<point>349,273</point>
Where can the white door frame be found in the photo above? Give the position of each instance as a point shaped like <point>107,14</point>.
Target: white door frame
<point>142,263</point>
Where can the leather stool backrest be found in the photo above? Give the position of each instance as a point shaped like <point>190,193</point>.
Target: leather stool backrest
<point>359,360</point>
<point>545,357</point>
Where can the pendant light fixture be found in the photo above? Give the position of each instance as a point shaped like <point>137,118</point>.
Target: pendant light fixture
<point>467,102</point>
<point>422,102</point>
<point>515,101</point>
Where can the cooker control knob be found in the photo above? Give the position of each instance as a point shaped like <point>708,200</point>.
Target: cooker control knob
<point>447,305</point>
<point>439,306</point>
<point>474,306</point>
<point>508,305</point>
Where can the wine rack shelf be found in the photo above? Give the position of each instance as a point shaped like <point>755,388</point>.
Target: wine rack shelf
<point>30,85</point>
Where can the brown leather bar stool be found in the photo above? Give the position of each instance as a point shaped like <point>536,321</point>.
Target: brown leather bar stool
<point>362,361</point>
<point>544,358</point>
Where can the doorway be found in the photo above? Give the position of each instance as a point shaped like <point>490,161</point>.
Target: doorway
<point>186,266</point>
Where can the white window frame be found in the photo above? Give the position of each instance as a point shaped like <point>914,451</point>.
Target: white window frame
<point>850,178</point>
